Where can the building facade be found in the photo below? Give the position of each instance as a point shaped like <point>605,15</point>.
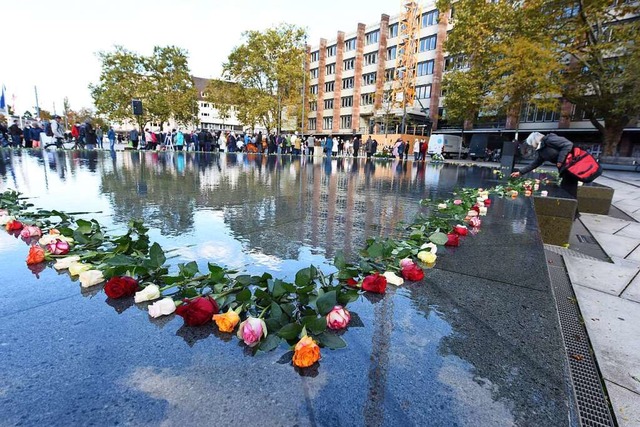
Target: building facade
<point>351,82</point>
<point>208,117</point>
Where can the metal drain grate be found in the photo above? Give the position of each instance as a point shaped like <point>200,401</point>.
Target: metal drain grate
<point>564,251</point>
<point>593,407</point>
<point>585,239</point>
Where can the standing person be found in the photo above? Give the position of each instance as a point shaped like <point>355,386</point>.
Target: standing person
<point>16,134</point>
<point>99,137</point>
<point>195,140</point>
<point>311,143</point>
<point>179,140</point>
<point>347,148</point>
<point>148,137</point>
<point>35,135</point>
<point>367,147</point>
<point>89,135</point>
<point>26,134</point>
<point>374,148</point>
<point>58,131</point>
<point>111,136</point>
<point>134,136</point>
<point>75,133</point>
<point>416,150</point>
<point>295,143</point>
<point>551,148</point>
<point>423,150</point>
<point>356,146</point>
<point>340,147</point>
<point>328,146</point>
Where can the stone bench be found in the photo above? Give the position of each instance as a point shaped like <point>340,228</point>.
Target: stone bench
<point>594,198</point>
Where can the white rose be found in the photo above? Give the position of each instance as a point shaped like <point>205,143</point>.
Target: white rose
<point>4,219</point>
<point>431,246</point>
<point>483,210</point>
<point>78,267</point>
<point>162,308</point>
<point>393,279</point>
<point>64,263</point>
<point>442,206</point>
<point>91,278</point>
<point>149,293</point>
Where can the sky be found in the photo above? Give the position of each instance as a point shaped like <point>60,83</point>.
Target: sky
<point>53,45</point>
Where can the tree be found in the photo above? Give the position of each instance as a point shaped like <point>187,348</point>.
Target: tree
<point>267,69</point>
<point>27,115</point>
<point>505,60</point>
<point>162,81</point>
<point>45,114</point>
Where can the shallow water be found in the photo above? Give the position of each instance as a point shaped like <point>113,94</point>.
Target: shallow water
<point>476,343</point>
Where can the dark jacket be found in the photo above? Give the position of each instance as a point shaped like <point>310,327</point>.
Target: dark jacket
<point>553,148</point>
<point>14,129</point>
<point>90,134</point>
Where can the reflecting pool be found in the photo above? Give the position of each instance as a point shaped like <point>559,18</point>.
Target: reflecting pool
<point>475,343</point>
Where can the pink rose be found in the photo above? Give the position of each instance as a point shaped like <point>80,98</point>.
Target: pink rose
<point>58,247</point>
<point>457,202</point>
<point>252,330</point>
<point>338,318</point>
<point>406,262</point>
<point>475,222</point>
<point>30,231</point>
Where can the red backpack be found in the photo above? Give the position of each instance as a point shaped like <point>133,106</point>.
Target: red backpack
<point>582,165</point>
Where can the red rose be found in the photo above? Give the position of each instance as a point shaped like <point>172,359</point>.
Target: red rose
<point>198,311</point>
<point>375,283</point>
<point>121,286</point>
<point>412,272</point>
<point>487,202</point>
<point>460,230</point>
<point>475,208</point>
<point>36,255</point>
<point>13,225</point>
<point>352,282</point>
<point>452,240</point>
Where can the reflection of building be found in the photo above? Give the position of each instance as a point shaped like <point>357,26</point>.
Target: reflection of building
<point>209,117</point>
<point>351,78</point>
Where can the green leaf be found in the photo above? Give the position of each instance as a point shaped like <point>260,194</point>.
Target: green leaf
<point>278,289</point>
<point>84,226</point>
<point>276,311</point>
<point>156,255</point>
<point>305,276</point>
<point>119,259</point>
<point>315,324</point>
<point>331,341</point>
<point>375,250</point>
<point>290,331</point>
<point>339,261</point>
<point>438,238</point>
<point>326,302</point>
<point>270,343</point>
<point>189,269</point>
<point>244,279</point>
<point>244,295</point>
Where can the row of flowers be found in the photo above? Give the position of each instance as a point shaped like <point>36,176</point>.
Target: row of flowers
<point>305,313</point>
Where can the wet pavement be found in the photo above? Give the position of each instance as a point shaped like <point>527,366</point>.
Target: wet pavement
<point>476,343</point>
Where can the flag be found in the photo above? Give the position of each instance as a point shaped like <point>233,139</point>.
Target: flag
<point>3,104</point>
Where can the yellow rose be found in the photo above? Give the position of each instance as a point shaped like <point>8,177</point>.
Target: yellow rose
<point>226,322</point>
<point>306,352</point>
<point>427,257</point>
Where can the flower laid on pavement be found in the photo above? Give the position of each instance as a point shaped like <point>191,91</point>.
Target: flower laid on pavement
<point>412,272</point>
<point>121,286</point>
<point>91,278</point>
<point>149,293</point>
<point>306,352</point>
<point>77,267</point>
<point>427,257</point>
<point>393,278</point>
<point>36,255</point>
<point>30,231</point>
<point>375,283</point>
<point>197,311</point>
<point>227,321</point>
<point>338,318</point>
<point>252,330</point>
<point>163,307</point>
<point>66,262</point>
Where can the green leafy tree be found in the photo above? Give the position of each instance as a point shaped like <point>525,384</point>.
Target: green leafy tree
<point>162,81</point>
<point>27,115</point>
<point>268,71</point>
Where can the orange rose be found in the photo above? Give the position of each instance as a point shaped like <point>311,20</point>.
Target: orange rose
<point>306,352</point>
<point>36,255</point>
<point>226,322</point>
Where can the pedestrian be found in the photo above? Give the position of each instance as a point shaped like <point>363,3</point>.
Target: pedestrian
<point>551,148</point>
<point>134,136</point>
<point>179,139</point>
<point>58,131</point>
<point>90,137</point>
<point>99,137</point>
<point>367,147</point>
<point>328,146</point>
<point>16,134</point>
<point>111,136</point>
<point>416,150</point>
<point>75,133</point>
<point>356,146</point>
<point>195,140</point>
<point>311,143</point>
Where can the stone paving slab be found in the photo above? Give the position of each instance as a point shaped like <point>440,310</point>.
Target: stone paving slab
<point>601,276</point>
<point>631,230</point>
<point>625,405</point>
<point>602,223</point>
<point>613,325</point>
<point>616,245</point>
<point>632,292</point>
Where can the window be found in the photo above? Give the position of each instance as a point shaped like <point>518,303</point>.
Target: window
<point>430,18</point>
<point>371,37</point>
<point>368,79</point>
<point>423,91</point>
<point>346,101</point>
<point>331,51</point>
<point>347,83</point>
<point>457,62</point>
<point>427,43</point>
<point>367,99</point>
<point>330,69</point>
<point>425,68</point>
<point>329,86</point>
<point>345,122</point>
<point>389,74</point>
<point>371,58</point>
<point>392,52</point>
<point>350,45</point>
<point>313,105</point>
<point>348,64</point>
<point>315,56</point>
<point>393,31</point>
<point>313,89</point>
<point>327,122</point>
<point>312,124</point>
<point>328,104</point>
<point>314,73</point>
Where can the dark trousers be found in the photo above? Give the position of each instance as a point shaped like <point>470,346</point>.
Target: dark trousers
<point>570,184</point>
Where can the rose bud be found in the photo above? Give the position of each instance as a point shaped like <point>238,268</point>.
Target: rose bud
<point>475,222</point>
<point>91,278</point>
<point>149,293</point>
<point>453,239</point>
<point>306,352</point>
<point>375,283</point>
<point>338,318</point>
<point>457,202</point>
<point>406,261</point>
<point>252,330</point>
<point>13,225</point>
<point>30,231</point>
<point>412,272</point>
<point>36,255</point>
<point>122,286</point>
<point>460,230</point>
<point>58,247</point>
<point>393,278</point>
<point>198,311</point>
<point>226,322</point>
<point>163,307</point>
